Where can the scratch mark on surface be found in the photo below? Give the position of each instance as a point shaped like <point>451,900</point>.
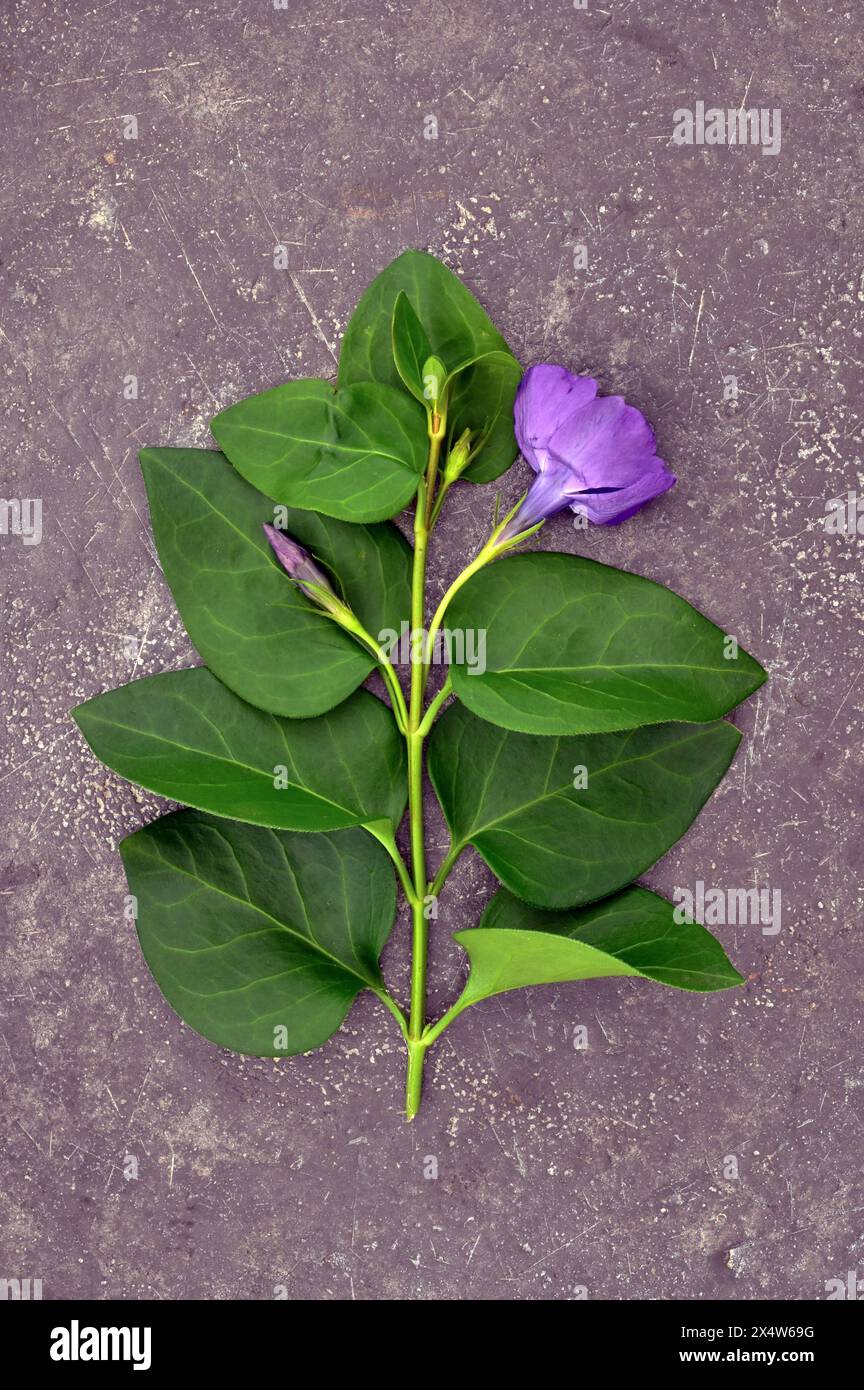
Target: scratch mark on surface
<point>696,330</point>
<point>311,312</point>
<point>189,264</point>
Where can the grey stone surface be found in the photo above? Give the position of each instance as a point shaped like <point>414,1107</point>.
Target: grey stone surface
<point>559,1169</point>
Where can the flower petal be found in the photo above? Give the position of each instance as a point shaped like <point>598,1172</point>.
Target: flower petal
<point>608,444</point>
<point>608,507</point>
<point>547,397</point>
<point>550,492</point>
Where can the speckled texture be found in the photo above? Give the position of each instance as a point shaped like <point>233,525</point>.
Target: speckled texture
<point>559,1170</point>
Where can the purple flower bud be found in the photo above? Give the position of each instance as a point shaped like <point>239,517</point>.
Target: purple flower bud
<point>596,455</point>
<point>298,564</point>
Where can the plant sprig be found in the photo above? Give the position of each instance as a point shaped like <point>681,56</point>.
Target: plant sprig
<point>570,759</point>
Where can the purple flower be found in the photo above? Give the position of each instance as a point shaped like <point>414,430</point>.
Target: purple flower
<point>299,565</point>
<point>597,455</point>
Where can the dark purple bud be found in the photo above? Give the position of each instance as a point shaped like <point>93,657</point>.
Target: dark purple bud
<point>299,566</point>
<point>596,455</point>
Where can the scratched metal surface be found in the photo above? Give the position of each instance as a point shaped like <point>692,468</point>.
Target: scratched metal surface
<point>561,1172</point>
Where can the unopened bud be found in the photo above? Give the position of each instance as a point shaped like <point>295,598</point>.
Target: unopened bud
<point>434,375</point>
<point>458,458</point>
<point>301,568</point>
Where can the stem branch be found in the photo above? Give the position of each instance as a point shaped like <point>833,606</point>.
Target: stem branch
<point>386,838</point>
<point>434,706</point>
<point>390,1003</point>
<point>439,502</point>
<point>397,699</point>
<point>443,873</point>
<point>436,1029</point>
<point>486,554</point>
<point>435,442</point>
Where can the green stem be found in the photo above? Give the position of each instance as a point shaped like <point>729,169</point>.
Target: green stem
<point>390,1003</point>
<point>444,871</point>
<point>383,833</point>
<point>353,625</point>
<point>418,604</point>
<point>397,699</point>
<point>434,706</point>
<point>414,740</point>
<point>491,551</point>
<point>486,554</point>
<point>414,1080</point>
<point>439,502</point>
<point>416,727</point>
<point>391,680</point>
<point>436,1029</point>
<point>435,442</point>
<point>418,869</point>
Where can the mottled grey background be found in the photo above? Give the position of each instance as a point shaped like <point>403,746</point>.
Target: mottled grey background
<point>558,1169</point>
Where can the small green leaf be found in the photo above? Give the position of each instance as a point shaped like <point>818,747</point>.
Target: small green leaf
<point>632,933</point>
<point>251,625</point>
<point>577,647</point>
<point>434,380</point>
<point>460,333</point>
<point>259,939</point>
<point>564,821</point>
<point>184,735</point>
<point>356,453</point>
<point>411,347</point>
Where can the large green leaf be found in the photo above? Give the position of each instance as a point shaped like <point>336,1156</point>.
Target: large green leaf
<point>632,933</point>
<point>187,737</point>
<point>251,625</point>
<point>249,931</point>
<point>355,453</point>
<point>460,332</point>
<point>576,647</point>
<point>520,801</point>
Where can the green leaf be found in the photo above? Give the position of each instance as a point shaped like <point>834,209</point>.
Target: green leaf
<point>251,625</point>
<point>434,380</point>
<point>248,931</point>
<point>460,332</point>
<point>482,398</point>
<point>632,933</point>
<point>356,453</point>
<point>411,347</point>
<point>520,801</point>
<point>184,735</point>
<point>576,647</point>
